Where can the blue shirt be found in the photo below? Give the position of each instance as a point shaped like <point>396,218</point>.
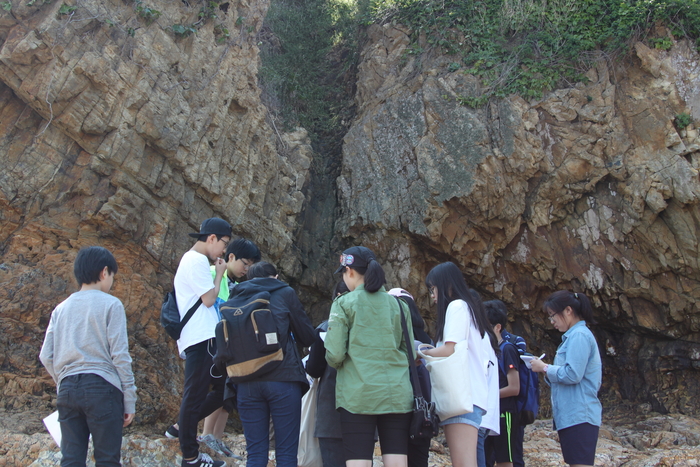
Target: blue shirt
<point>575,379</point>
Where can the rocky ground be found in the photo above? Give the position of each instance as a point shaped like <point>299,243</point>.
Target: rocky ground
<point>630,437</point>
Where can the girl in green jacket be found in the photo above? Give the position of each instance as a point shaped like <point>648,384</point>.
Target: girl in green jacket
<point>365,344</point>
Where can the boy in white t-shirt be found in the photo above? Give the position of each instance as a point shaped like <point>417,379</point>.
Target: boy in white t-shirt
<point>193,280</point>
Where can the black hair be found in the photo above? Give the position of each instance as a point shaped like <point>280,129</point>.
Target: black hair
<point>479,310</point>
<point>261,269</point>
<point>242,248</point>
<point>373,274</point>
<point>416,318</point>
<point>90,262</point>
<point>496,312</point>
<point>340,288</point>
<point>451,286</point>
<point>416,321</point>
<point>559,300</point>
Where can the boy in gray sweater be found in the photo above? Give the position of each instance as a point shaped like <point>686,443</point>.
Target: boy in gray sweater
<point>86,352</point>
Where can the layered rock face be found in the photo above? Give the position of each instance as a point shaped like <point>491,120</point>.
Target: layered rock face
<point>590,189</point>
<point>118,132</point>
<point>120,129</point>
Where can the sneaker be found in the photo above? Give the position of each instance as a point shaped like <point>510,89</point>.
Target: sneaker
<point>172,432</point>
<point>227,452</point>
<point>203,460</point>
<point>213,444</point>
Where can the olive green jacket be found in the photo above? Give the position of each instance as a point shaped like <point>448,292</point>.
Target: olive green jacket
<point>365,344</point>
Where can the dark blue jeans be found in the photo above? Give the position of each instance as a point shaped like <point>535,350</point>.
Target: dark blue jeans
<point>257,401</point>
<point>87,404</point>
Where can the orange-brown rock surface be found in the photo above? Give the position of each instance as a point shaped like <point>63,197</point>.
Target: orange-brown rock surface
<point>590,188</point>
<point>115,130</point>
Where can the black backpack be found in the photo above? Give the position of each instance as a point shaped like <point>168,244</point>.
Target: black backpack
<point>528,400</point>
<point>247,337</point>
<point>170,315</point>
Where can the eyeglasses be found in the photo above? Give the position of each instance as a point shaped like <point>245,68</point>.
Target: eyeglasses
<point>246,264</point>
<point>552,315</point>
<point>225,242</point>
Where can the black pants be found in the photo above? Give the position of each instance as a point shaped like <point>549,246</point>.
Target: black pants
<point>418,452</point>
<point>197,400</point>
<point>358,433</point>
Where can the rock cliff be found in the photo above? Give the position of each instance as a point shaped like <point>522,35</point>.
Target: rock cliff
<point>121,127</point>
<point>117,131</point>
<point>591,188</point>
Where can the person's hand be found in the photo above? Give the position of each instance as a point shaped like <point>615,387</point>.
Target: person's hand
<point>537,365</point>
<point>128,418</point>
<point>425,349</point>
<point>219,267</point>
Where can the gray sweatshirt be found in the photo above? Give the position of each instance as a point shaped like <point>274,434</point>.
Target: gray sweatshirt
<point>87,334</point>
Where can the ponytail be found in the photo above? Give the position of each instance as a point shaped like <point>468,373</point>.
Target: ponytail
<point>374,276</point>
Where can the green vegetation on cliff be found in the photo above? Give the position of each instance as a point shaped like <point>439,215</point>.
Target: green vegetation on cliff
<point>309,53</point>
<point>526,47</point>
<point>530,46</point>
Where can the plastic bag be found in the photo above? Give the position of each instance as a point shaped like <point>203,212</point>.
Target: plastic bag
<point>309,454</point>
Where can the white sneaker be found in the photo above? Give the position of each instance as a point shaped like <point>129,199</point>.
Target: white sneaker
<point>213,444</point>
<point>227,452</point>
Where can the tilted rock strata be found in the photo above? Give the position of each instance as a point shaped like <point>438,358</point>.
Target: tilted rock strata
<point>591,188</point>
<point>117,132</point>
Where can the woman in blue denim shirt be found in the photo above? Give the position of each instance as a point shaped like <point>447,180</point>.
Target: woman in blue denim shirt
<point>574,377</point>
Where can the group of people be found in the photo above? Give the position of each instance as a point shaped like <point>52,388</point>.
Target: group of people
<point>359,357</point>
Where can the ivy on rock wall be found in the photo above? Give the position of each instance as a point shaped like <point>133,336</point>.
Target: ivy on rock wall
<point>530,46</point>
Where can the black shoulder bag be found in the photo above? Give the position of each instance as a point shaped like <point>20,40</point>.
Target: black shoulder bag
<point>170,315</point>
<point>424,420</point>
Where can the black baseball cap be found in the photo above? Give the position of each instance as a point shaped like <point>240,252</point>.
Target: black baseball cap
<point>356,257</point>
<point>214,226</point>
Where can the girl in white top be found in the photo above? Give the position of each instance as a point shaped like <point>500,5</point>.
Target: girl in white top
<point>460,319</point>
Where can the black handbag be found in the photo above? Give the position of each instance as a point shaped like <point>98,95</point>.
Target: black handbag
<point>424,420</point>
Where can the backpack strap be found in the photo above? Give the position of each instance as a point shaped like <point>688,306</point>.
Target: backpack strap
<point>409,345</point>
<point>517,341</point>
<point>190,312</point>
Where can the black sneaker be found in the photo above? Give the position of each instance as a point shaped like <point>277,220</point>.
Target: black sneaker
<point>203,460</point>
<point>172,432</point>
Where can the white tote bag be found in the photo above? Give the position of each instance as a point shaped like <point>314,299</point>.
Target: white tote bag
<point>450,382</point>
<point>309,454</point>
